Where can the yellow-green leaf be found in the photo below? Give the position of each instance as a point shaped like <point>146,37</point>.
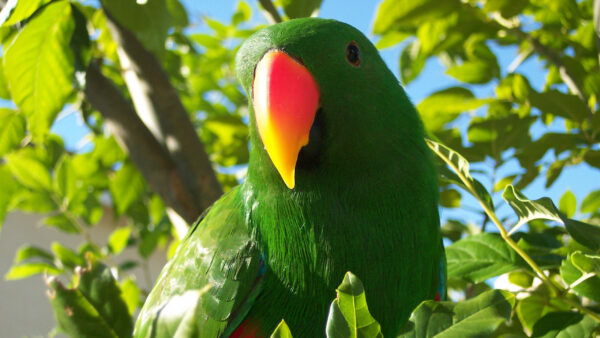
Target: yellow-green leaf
<point>39,66</point>
<point>12,129</point>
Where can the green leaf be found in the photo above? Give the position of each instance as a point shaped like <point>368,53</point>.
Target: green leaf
<point>243,13</point>
<point>131,294</point>
<point>479,257</point>
<point>507,8</point>
<point>39,66</point>
<point>521,279</point>
<point>531,309</point>
<point>32,201</point>
<point>348,314</point>
<point>178,13</point>
<point>65,180</point>
<point>282,331</point>
<point>29,269</point>
<point>29,171</point>
<point>118,239</point>
<point>476,317</point>
<point>586,263</point>
<point>564,324</point>
<point>27,252</point>
<point>476,72</point>
<point>568,204</point>
<point>460,166</point>
<point>401,14</point>
<point>585,285</point>
<point>300,8</point>
<point>445,105</point>
<point>94,307</point>
<point>450,198</point>
<point>557,103</point>
<point>150,21</point>
<point>62,223</point>
<point>591,203</point>
<point>126,186</point>
<point>391,39</point>
<point>17,11</point>
<point>4,93</point>
<point>179,317</point>
<point>12,129</point>
<point>66,256</point>
<point>543,208</point>
<point>7,190</point>
<point>412,62</point>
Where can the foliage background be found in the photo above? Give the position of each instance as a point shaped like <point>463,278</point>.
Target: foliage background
<point>518,99</point>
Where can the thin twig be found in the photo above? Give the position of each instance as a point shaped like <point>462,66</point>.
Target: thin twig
<point>558,290</point>
<point>270,11</point>
<point>565,73</point>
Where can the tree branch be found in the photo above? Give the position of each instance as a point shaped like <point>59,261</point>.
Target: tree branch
<point>144,150</point>
<point>159,107</point>
<point>565,74</point>
<point>270,11</point>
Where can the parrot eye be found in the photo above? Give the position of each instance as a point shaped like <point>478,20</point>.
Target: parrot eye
<point>353,54</point>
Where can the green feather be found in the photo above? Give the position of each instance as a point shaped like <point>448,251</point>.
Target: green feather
<point>367,204</point>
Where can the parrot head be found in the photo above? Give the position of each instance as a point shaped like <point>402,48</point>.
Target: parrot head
<point>322,102</point>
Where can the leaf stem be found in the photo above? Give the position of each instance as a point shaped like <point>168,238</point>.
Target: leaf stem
<point>558,290</point>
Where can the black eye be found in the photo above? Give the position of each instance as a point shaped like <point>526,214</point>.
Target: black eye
<point>353,54</point>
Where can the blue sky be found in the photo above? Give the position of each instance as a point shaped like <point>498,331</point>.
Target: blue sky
<point>360,14</point>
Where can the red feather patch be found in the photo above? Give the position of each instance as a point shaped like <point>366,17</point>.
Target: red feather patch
<point>247,329</point>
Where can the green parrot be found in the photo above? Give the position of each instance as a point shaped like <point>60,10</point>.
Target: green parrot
<point>339,179</point>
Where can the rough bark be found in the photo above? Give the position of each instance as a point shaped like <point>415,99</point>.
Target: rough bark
<point>144,150</point>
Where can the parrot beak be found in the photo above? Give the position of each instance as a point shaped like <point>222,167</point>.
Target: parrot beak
<point>285,99</point>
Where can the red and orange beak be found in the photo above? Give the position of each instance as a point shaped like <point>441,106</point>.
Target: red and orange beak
<point>286,98</point>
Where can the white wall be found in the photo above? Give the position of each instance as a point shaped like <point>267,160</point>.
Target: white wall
<point>24,307</point>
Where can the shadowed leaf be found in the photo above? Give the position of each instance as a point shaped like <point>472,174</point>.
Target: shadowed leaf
<point>476,317</point>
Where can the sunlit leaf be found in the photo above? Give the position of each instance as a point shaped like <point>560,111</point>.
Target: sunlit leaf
<point>445,105</point>
<point>282,331</point>
<point>395,14</point>
<point>27,252</point>
<point>126,186</point>
<point>66,256</point>
<point>131,294</point>
<point>12,129</point>
<point>39,66</point>
<point>62,223</point>
<point>4,93</point>
<point>586,285</point>
<point>568,204</point>
<point>412,62</point>
<point>348,314</point>
<point>118,239</point>
<point>586,263</point>
<point>460,166</point>
<point>476,72</point>
<point>29,171</point>
<point>16,11</point>
<point>29,269</point>
<point>591,203</point>
<point>300,8</point>
<point>391,39</point>
<point>543,208</point>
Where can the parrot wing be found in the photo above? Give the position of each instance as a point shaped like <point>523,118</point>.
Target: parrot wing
<point>218,258</point>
